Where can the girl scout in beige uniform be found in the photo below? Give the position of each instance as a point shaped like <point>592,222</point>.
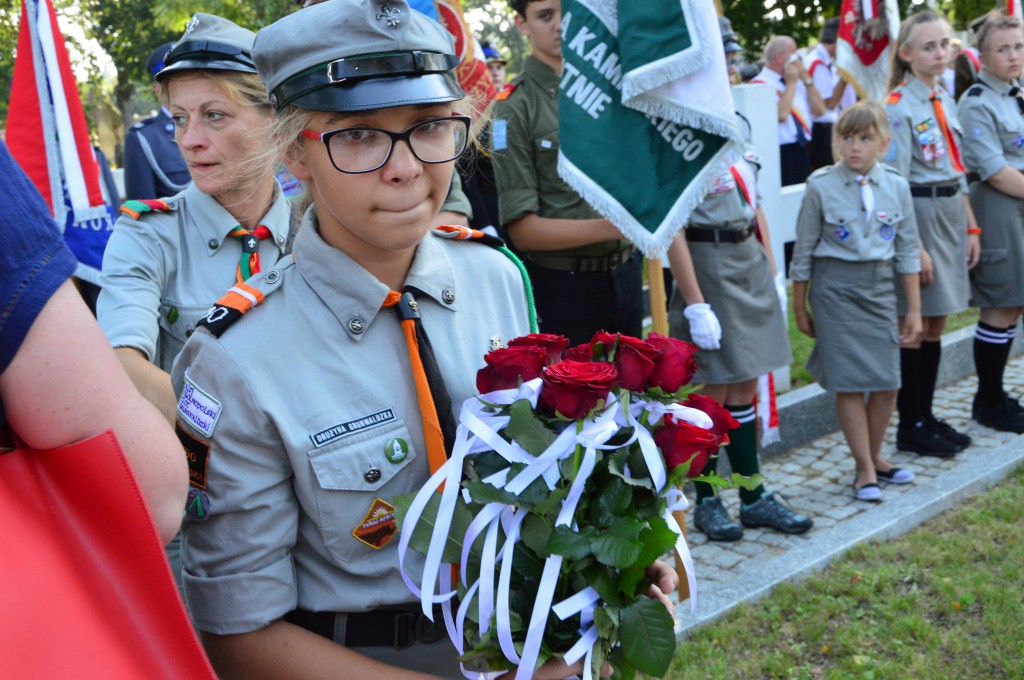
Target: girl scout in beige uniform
<point>992,114</point>
<point>727,304</point>
<point>855,235</point>
<point>303,419</point>
<point>926,150</point>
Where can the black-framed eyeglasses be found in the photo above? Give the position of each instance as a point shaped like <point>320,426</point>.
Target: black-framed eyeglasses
<point>357,150</point>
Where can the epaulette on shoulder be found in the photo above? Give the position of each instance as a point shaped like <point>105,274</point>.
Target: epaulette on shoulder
<point>455,232</point>
<point>975,91</point>
<point>889,168</point>
<point>241,298</point>
<point>894,97</point>
<point>505,92</point>
<point>822,171</point>
<point>137,208</point>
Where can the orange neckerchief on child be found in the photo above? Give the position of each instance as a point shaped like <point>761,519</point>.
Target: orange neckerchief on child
<point>940,118</point>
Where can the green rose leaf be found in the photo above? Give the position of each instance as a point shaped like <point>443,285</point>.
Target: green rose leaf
<point>612,502</point>
<point>618,545</point>
<point>657,539</point>
<point>483,493</point>
<point>570,544</point>
<point>617,466</point>
<point>527,429</point>
<point>535,534</point>
<point>630,580</point>
<point>605,581</point>
<point>420,540</point>
<point>621,669</point>
<point>647,635</point>
<point>607,621</point>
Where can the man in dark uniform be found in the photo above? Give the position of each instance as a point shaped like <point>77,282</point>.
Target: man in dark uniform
<point>586,277</point>
<point>153,166</point>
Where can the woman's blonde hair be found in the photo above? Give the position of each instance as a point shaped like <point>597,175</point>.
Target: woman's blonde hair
<point>994,21</point>
<point>908,30</point>
<point>865,116</point>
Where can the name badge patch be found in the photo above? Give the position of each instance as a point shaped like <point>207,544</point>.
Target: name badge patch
<point>378,527</point>
<point>197,453</point>
<point>325,437</point>
<point>197,408</point>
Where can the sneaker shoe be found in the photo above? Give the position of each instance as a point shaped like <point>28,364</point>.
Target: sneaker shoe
<point>946,430</point>
<point>711,517</point>
<point>895,476</point>
<point>769,512</point>
<point>924,441</point>
<point>999,416</point>
<point>869,492</point>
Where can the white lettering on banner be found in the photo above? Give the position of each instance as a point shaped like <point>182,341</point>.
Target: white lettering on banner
<point>198,408</point>
<point>583,92</point>
<point>681,138</point>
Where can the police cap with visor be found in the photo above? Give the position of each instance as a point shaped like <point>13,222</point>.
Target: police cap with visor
<point>211,43</point>
<point>355,55</point>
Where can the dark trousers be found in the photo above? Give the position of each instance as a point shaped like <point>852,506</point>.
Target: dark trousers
<point>821,145</point>
<point>794,162</point>
<point>578,304</point>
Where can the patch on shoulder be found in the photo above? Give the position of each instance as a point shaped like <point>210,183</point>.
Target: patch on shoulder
<point>894,98</point>
<point>197,453</point>
<point>505,92</point>
<point>198,408</point>
<point>136,208</point>
<point>975,91</point>
<point>378,526</point>
<point>499,134</point>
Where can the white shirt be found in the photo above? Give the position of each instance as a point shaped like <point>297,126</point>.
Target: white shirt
<point>823,72</point>
<point>788,128</point>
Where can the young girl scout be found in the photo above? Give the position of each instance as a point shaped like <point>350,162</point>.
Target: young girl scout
<point>303,419</point>
<point>728,305</point>
<point>855,231</point>
<point>992,114</point>
<point>926,150</point>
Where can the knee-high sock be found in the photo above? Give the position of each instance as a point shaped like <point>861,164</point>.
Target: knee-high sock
<point>931,354</point>
<point>908,403</point>
<point>991,351</point>
<point>742,449</point>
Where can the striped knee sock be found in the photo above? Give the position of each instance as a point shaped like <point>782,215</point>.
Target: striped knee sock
<point>742,449</point>
<point>991,352</point>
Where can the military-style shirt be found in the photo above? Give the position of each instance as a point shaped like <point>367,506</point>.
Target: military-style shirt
<point>730,203</point>
<point>163,271</point>
<point>525,141</point>
<point>798,122</point>
<point>919,150</point>
<point>153,166</point>
<point>306,425</point>
<point>993,127</point>
<point>833,223</point>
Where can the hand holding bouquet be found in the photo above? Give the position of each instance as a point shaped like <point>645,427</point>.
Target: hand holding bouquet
<point>558,497</point>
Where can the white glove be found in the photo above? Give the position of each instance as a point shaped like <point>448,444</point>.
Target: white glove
<point>780,290</point>
<point>704,327</point>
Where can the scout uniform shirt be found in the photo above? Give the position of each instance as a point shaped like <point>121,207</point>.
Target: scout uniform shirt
<point>153,166</point>
<point>919,150</point>
<point>732,198</point>
<point>525,141</point>
<point>162,271</point>
<point>993,125</point>
<point>303,424</point>
<point>833,221</point>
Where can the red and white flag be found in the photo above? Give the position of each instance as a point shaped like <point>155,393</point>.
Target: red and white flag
<point>867,33</point>
<point>47,135</point>
<point>472,72</point>
<point>1013,8</point>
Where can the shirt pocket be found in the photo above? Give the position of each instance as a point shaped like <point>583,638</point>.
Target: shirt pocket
<point>841,223</point>
<point>1011,135</point>
<point>350,473</point>
<point>887,223</point>
<point>177,323</point>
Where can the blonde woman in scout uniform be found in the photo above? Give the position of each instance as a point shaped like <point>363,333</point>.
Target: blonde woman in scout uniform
<point>926,150</point>
<point>855,235</point>
<point>291,570</point>
<point>992,114</point>
<point>169,260</point>
<point>727,303</point>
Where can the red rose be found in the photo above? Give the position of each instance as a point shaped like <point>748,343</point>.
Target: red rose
<point>584,353</point>
<point>676,365</point>
<point>573,388</point>
<point>507,368</point>
<point>553,344</point>
<point>680,442</point>
<point>720,417</point>
<point>634,358</point>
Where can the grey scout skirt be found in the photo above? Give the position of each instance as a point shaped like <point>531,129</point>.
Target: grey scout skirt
<point>736,280</point>
<point>998,280</point>
<point>857,346</point>
<point>942,225</point>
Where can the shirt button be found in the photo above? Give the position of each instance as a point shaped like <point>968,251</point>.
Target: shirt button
<point>212,243</point>
<point>356,325</point>
<point>372,476</point>
<point>280,240</point>
<point>448,295</point>
<point>272,276</point>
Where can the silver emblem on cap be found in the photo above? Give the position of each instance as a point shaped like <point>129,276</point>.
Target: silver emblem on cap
<point>192,23</point>
<point>390,14</point>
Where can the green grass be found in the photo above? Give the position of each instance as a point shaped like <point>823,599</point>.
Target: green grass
<point>802,345</point>
<point>943,601</point>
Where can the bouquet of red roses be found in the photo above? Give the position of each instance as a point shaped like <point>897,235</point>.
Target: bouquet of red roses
<point>557,498</point>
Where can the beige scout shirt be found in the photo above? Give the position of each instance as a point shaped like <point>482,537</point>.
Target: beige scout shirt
<point>162,271</point>
<point>919,150</point>
<point>833,223</point>
<point>312,415</point>
<point>993,127</point>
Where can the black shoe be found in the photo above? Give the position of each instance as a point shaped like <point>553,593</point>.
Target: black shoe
<point>944,429</point>
<point>924,441</point>
<point>1000,416</point>
<point>768,512</point>
<point>710,517</point>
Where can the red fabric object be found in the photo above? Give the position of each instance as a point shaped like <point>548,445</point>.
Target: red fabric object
<point>85,586</point>
<point>472,73</point>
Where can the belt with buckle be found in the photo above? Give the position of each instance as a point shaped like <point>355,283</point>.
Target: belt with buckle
<point>569,263</point>
<point>934,190</point>
<point>700,235</point>
<point>384,627</point>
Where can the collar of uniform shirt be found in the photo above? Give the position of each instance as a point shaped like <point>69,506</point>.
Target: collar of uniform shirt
<point>996,84</point>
